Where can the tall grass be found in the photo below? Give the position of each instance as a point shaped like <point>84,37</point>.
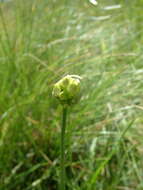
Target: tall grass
<point>40,41</point>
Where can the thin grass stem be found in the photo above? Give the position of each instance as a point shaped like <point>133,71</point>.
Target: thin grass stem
<point>62,161</point>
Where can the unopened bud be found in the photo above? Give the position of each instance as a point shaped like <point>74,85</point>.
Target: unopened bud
<point>67,90</point>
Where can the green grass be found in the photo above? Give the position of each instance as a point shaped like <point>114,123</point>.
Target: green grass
<point>41,41</point>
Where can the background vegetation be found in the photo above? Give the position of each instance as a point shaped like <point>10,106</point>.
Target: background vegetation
<point>41,41</point>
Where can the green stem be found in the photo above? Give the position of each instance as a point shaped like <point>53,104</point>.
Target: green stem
<point>62,164</point>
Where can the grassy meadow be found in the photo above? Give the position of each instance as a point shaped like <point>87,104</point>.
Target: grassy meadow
<point>44,40</point>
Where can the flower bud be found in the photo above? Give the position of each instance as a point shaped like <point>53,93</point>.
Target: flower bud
<point>67,90</point>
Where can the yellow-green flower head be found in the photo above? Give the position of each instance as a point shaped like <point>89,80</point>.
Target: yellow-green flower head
<point>67,90</point>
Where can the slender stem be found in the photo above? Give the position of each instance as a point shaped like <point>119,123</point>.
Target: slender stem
<point>62,164</point>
